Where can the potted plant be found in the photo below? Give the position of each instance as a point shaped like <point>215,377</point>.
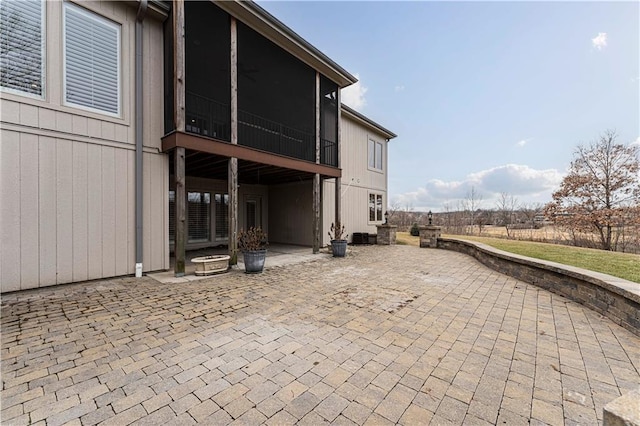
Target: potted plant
<point>338,240</point>
<point>253,244</point>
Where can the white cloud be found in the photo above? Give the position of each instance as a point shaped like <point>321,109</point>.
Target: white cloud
<point>600,41</point>
<point>521,181</point>
<point>636,142</point>
<point>353,95</point>
<point>399,88</point>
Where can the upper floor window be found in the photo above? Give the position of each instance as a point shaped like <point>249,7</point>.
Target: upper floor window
<point>22,51</point>
<point>375,155</point>
<point>91,61</point>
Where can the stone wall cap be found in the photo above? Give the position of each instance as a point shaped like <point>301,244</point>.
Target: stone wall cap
<point>624,410</point>
<point>617,285</point>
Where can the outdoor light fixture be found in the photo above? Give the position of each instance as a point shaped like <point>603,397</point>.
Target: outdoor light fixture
<point>386,217</point>
<point>430,217</point>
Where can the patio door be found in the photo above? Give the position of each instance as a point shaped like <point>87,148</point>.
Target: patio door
<point>253,211</point>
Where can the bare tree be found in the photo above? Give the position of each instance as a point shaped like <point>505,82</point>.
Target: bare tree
<point>601,192</point>
<point>506,205</point>
<point>530,211</point>
<point>471,204</point>
<point>393,209</point>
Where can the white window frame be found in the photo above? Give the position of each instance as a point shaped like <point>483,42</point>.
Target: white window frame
<point>373,155</point>
<point>43,58</point>
<point>377,195</point>
<point>101,19</point>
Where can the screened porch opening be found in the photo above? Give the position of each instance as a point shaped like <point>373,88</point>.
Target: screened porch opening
<point>276,91</point>
<point>276,98</point>
<point>207,70</point>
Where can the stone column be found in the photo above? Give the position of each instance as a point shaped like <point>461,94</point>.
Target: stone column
<point>429,235</point>
<point>386,234</point>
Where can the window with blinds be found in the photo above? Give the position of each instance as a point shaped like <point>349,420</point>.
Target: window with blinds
<point>172,216</point>
<point>222,216</point>
<point>91,61</point>
<point>198,216</point>
<point>22,53</point>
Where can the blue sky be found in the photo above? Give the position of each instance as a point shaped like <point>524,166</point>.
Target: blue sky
<point>490,95</point>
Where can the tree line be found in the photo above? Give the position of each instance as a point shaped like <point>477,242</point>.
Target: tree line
<point>597,204</point>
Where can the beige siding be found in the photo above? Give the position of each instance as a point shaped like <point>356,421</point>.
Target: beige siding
<point>10,211</point>
<point>156,207</point>
<point>29,228</point>
<point>64,206</point>
<point>354,156</point>
<point>67,211</point>
<point>327,215</point>
<point>123,190</point>
<point>80,208</point>
<point>358,181</point>
<point>47,210</point>
<point>291,213</point>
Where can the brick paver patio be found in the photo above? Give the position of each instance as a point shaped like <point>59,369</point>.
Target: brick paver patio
<point>391,334</point>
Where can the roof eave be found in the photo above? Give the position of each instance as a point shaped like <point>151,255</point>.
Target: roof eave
<point>367,122</point>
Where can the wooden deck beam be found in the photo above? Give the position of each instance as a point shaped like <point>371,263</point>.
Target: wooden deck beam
<point>226,149</point>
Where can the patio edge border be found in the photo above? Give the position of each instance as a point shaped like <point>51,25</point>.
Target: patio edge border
<point>614,298</point>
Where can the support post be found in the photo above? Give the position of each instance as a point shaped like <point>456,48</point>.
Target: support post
<point>233,210</point>
<point>181,207</point>
<point>316,213</point>
<point>232,173</point>
<point>338,188</point>
<point>179,119</point>
<point>316,177</point>
<point>178,64</point>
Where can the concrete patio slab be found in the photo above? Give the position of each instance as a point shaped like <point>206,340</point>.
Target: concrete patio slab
<point>387,335</point>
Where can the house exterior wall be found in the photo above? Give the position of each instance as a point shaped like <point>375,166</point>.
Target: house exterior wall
<point>291,213</point>
<point>358,180</point>
<point>67,174</point>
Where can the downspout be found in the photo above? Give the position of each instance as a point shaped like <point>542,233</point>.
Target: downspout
<point>142,11</point>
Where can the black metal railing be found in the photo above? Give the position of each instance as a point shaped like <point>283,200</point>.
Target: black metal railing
<point>328,152</point>
<point>258,132</point>
<point>210,118</point>
<point>207,117</point>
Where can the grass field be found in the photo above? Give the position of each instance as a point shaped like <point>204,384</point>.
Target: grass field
<point>622,265</point>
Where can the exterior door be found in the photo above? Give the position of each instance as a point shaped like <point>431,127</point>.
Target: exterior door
<point>253,212</point>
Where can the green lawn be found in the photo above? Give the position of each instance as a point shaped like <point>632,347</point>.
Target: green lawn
<point>623,265</point>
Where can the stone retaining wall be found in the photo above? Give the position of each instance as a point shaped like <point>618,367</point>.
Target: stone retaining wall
<point>615,298</point>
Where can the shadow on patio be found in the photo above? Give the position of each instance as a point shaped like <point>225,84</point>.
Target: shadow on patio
<point>277,255</point>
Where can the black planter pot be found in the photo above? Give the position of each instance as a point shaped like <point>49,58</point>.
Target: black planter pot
<point>254,261</point>
<point>339,248</point>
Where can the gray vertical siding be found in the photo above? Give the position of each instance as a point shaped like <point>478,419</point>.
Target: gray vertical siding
<point>67,175</point>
